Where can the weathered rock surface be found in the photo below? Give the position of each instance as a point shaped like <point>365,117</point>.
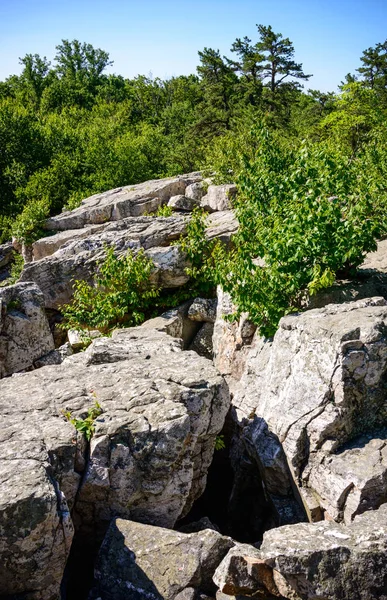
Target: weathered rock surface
<point>219,197</point>
<point>6,254</point>
<point>320,387</point>
<point>222,225</point>
<point>175,322</point>
<point>141,561</point>
<point>231,339</point>
<point>202,342</point>
<point>183,203</point>
<point>78,259</point>
<point>203,310</point>
<point>127,201</point>
<point>310,561</point>
<point>195,191</point>
<point>148,460</point>
<point>25,335</point>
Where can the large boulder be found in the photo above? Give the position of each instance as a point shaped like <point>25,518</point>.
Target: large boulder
<point>155,563</point>
<point>310,561</point>
<point>147,460</point>
<point>127,201</point>
<point>25,334</point>
<point>320,389</point>
<point>219,197</point>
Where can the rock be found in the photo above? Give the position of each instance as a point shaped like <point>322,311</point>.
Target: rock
<point>219,197</point>
<point>222,225</point>
<point>79,259</point>
<point>25,335</point>
<point>148,458</point>
<point>7,253</point>
<point>183,203</point>
<point>157,563</point>
<point>117,204</point>
<point>65,351</point>
<point>196,526</point>
<point>50,244</point>
<point>81,339</point>
<point>320,389</point>
<point>52,358</point>
<point>195,191</point>
<point>203,310</point>
<point>231,339</point>
<point>242,571</point>
<point>202,342</point>
<point>308,561</point>
<point>175,322</point>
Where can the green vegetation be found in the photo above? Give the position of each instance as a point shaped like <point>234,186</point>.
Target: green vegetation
<point>86,425</point>
<point>310,167</point>
<point>120,295</point>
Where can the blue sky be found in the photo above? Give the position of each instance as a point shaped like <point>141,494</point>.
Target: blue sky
<point>163,37</point>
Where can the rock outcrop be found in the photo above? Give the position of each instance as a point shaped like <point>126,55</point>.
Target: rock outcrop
<point>127,201</point>
<point>309,561</point>
<point>25,336</point>
<point>148,458</point>
<point>320,389</point>
<point>141,561</point>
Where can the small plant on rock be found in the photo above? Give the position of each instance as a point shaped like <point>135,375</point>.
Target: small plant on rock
<point>85,426</point>
<point>120,295</point>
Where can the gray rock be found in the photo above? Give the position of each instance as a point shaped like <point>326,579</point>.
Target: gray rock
<point>78,259</point>
<point>157,563</point>
<point>183,203</point>
<point>231,339</point>
<point>148,458</point>
<point>25,335</point>
<point>195,191</point>
<point>309,561</point>
<point>203,310</point>
<point>52,358</point>
<point>6,254</point>
<point>222,225</point>
<point>175,322</point>
<point>219,197</point>
<point>318,387</point>
<point>117,204</point>
<point>202,342</point>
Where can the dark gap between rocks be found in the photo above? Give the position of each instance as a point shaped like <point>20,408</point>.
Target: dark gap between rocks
<point>234,499</point>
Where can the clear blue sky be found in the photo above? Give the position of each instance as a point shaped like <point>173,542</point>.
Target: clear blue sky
<point>164,36</point>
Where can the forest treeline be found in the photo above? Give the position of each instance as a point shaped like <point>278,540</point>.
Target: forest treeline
<point>68,130</point>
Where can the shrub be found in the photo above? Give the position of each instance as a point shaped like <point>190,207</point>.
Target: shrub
<point>306,214</point>
<point>120,295</point>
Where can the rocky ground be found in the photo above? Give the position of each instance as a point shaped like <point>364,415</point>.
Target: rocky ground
<point>144,506</point>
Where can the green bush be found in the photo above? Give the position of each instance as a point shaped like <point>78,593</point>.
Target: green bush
<point>28,225</point>
<point>121,294</point>
<point>306,215</point>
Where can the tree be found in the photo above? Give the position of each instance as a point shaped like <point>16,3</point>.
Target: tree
<point>78,61</point>
<point>35,75</point>
<point>374,69</point>
<point>277,62</point>
<point>219,86</point>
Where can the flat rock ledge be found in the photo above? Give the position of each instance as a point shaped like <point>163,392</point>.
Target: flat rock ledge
<point>147,461</point>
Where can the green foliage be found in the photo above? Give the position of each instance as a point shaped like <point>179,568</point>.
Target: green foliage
<point>86,425</point>
<point>306,214</point>
<point>219,442</point>
<point>121,294</point>
<point>164,211</point>
<point>203,255</point>
<point>28,225</point>
<point>16,269</point>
